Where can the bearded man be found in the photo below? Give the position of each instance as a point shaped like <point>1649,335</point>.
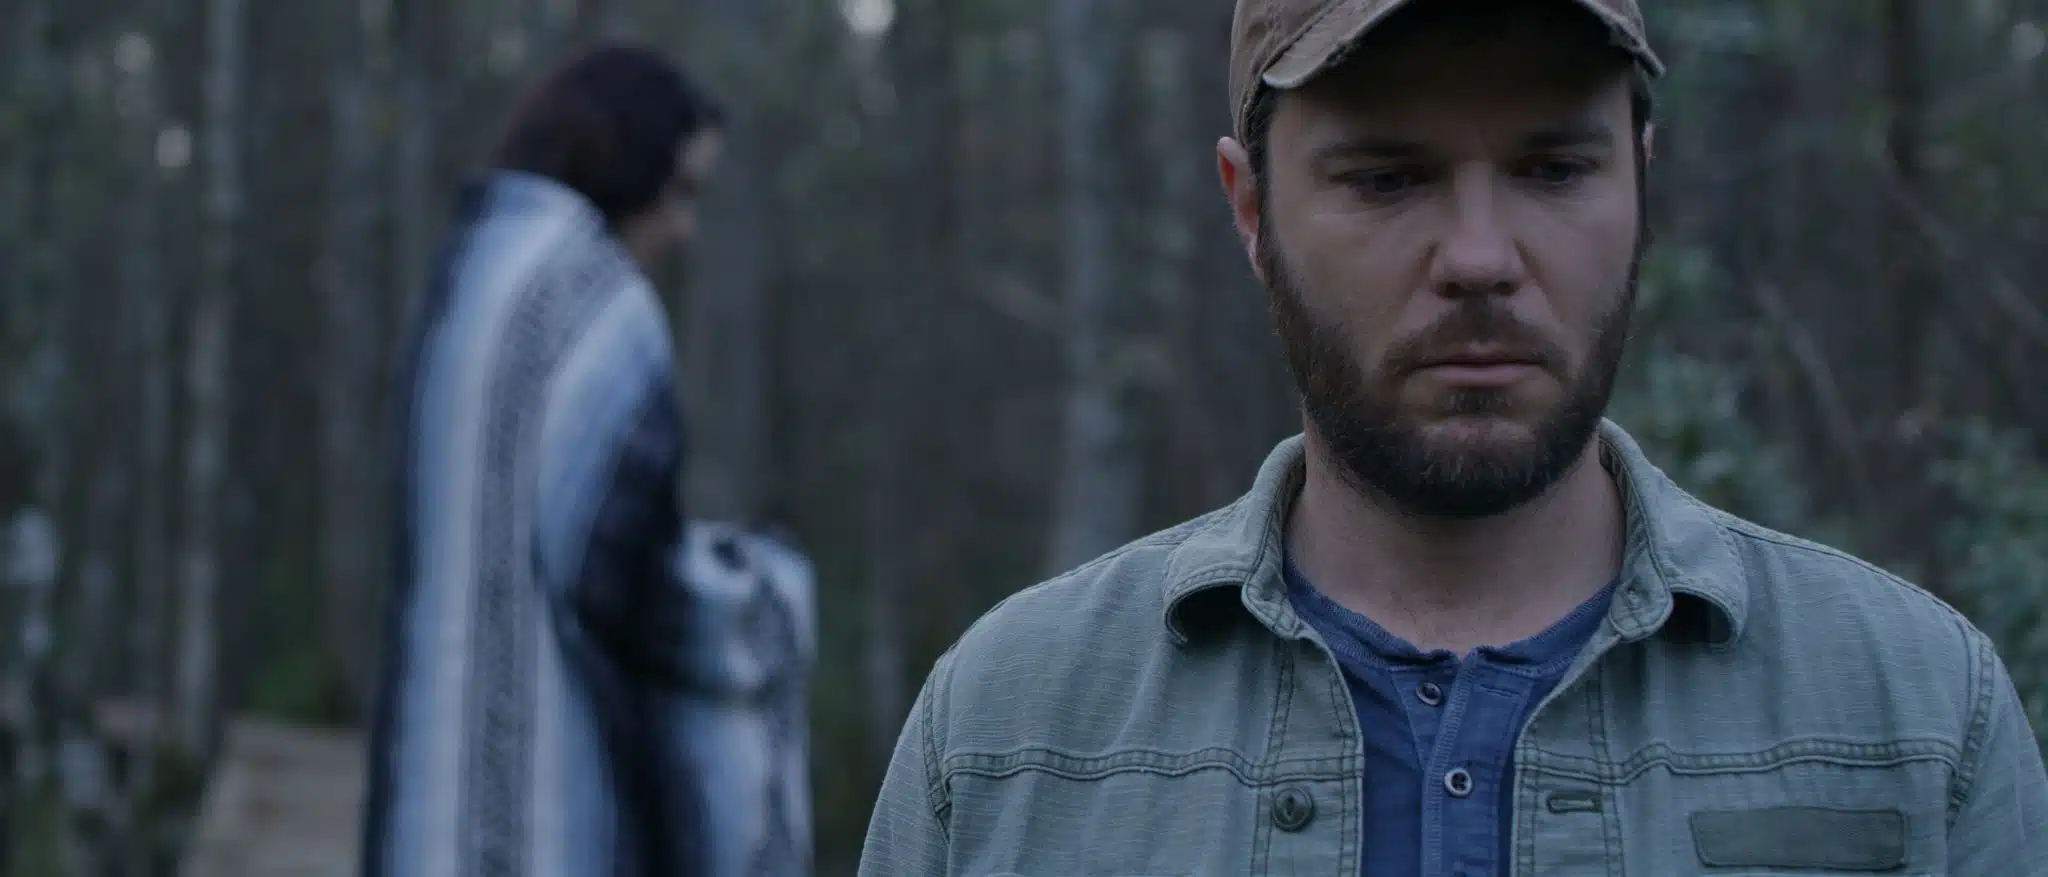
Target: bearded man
<point>1461,626</point>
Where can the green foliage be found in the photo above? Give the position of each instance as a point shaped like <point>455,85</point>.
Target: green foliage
<point>296,685</point>
<point>34,844</point>
<point>1999,546</point>
<point>844,776</point>
<point>1686,410</point>
<point>297,678</point>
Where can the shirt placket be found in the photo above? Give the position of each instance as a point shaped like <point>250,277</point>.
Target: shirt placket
<point>1466,764</point>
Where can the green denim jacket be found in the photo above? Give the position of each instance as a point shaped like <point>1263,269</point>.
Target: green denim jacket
<point>1754,704</point>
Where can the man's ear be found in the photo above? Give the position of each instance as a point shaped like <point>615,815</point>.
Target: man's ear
<point>1241,188</point>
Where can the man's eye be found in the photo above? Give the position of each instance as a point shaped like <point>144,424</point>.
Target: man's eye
<point>1557,172</point>
<point>1387,181</point>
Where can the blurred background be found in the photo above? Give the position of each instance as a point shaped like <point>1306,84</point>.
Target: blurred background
<point>967,311</point>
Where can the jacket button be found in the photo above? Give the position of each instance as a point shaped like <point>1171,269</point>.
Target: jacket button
<point>1293,808</point>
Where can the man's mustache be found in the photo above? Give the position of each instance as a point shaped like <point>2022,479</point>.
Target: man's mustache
<point>1476,324</point>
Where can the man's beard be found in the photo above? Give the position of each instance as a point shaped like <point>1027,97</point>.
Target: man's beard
<point>1356,411</point>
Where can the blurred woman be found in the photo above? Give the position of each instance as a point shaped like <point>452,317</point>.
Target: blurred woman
<point>580,680</point>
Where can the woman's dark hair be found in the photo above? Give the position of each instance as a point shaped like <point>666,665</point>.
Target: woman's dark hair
<point>607,123</point>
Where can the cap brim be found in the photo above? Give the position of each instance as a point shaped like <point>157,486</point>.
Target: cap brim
<point>1329,38</point>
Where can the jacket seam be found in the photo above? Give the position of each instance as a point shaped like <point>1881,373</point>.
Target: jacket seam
<point>1747,530</point>
<point>937,796</point>
<point>1981,696</point>
<point>1782,755</point>
<point>1596,721</point>
<point>1283,707</point>
<point>1249,781</point>
<point>1350,845</point>
<point>1276,740</point>
<point>969,758</point>
<point>1170,537</point>
<point>1622,778</point>
<point>1152,761</point>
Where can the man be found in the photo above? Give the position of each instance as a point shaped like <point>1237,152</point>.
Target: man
<point>582,681</point>
<point>1461,626</point>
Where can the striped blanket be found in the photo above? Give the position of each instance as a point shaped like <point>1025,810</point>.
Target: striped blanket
<point>581,680</point>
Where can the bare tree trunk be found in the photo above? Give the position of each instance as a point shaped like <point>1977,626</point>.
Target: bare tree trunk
<point>30,305</point>
<point>919,60</point>
<point>422,29</point>
<point>1173,138</point>
<point>1100,473</point>
<point>1905,265</point>
<point>50,366</point>
<point>33,327</point>
<point>87,622</point>
<point>1915,320</point>
<point>150,309</point>
<point>546,30</point>
<point>349,545</point>
<point>206,383</point>
<point>727,310</point>
<point>417,201</point>
<point>593,19</point>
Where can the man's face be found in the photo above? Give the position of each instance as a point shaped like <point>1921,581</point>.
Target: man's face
<point>1450,230</point>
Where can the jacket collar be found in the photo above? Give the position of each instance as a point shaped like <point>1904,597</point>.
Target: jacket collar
<point>1677,551</point>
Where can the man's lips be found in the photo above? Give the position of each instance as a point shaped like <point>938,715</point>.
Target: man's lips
<point>1481,356</point>
<point>1481,367</point>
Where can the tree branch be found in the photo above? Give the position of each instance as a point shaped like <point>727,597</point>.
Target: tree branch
<point>1820,380</point>
<point>2003,293</point>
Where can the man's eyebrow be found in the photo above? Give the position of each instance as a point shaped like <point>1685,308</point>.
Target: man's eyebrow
<point>1581,134</point>
<point>1578,134</point>
<point>1369,147</point>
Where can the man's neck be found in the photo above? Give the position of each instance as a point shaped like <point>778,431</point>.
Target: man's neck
<point>1458,584</point>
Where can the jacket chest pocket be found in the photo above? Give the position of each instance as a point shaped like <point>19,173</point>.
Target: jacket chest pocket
<point>1803,839</point>
<point>1797,817</point>
<point>1051,816</point>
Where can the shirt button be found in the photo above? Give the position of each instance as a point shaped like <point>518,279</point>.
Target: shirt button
<point>1458,782</point>
<point>1430,693</point>
<point>1293,808</point>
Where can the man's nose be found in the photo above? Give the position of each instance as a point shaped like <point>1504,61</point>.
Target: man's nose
<point>1477,254</point>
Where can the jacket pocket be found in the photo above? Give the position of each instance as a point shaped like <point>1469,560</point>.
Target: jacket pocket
<point>1043,814</point>
<point>1801,839</point>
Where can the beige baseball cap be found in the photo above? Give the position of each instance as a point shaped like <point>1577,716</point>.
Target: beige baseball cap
<point>1286,43</point>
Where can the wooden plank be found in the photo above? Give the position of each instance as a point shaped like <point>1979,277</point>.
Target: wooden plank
<point>284,802</point>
